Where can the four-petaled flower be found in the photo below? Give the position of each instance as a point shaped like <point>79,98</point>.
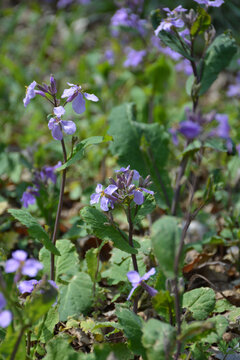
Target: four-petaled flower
<point>105,196</point>
<point>30,93</point>
<point>21,265</point>
<point>171,20</point>
<point>29,196</point>
<point>136,280</point>
<point>214,3</point>
<point>5,315</point>
<point>56,124</point>
<point>75,95</point>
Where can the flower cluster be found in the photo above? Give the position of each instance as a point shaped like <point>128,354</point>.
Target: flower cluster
<point>5,315</point>
<point>173,19</point>
<point>136,280</point>
<point>124,17</point>
<point>47,173</point>
<point>123,190</point>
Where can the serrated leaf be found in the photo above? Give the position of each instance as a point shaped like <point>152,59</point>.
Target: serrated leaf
<point>76,297</point>
<point>78,151</point>
<point>100,227</point>
<point>67,263</point>
<point>165,239</point>
<point>159,340</point>
<point>34,228</point>
<point>200,302</point>
<point>132,328</point>
<point>218,56</point>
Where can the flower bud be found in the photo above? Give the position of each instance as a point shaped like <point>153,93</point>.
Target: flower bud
<point>53,85</point>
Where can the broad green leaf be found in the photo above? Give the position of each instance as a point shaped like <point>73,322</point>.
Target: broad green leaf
<point>234,315</point>
<point>34,228</point>
<point>220,326</point>
<point>40,302</point>
<point>165,240</point>
<point>223,305</point>
<point>200,302</point>
<point>212,143</point>
<point>59,348</point>
<point>195,331</point>
<point>99,226</point>
<point>202,22</point>
<point>158,339</point>
<point>48,327</point>
<point>78,151</point>
<point>218,56</point>
<point>163,303</point>
<point>170,38</point>
<point>142,146</point>
<point>76,297</point>
<point>7,346</point>
<point>132,328</point>
<point>112,351</point>
<point>67,263</point>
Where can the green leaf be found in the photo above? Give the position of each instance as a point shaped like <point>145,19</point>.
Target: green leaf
<point>67,263</point>
<point>8,344</point>
<point>200,302</point>
<point>220,324</point>
<point>34,228</point>
<point>202,22</point>
<point>165,239</point>
<point>78,151</point>
<point>163,303</point>
<point>158,339</point>
<point>92,264</point>
<point>100,227</point>
<point>48,327</point>
<point>132,327</point>
<point>59,348</point>
<point>195,331</point>
<point>76,297</point>
<point>218,56</point>
<point>223,305</point>
<point>142,146</point>
<point>112,351</point>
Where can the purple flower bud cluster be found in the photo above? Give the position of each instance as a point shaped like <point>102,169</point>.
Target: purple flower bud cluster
<point>5,315</point>
<point>21,265</point>
<point>42,177</point>
<point>123,190</point>
<point>193,127</point>
<point>136,280</point>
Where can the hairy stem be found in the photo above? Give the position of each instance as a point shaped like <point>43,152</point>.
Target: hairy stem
<point>59,209</point>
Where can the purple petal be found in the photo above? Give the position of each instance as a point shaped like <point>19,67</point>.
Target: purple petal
<point>51,123</point>
<point>110,189</point>
<point>134,277</point>
<point>150,290</point>
<point>147,191</point>
<point>189,129</point>
<point>5,318</point>
<point>19,255</point>
<point>104,203</point>
<point>27,199</point>
<point>69,127</point>
<point>31,267</point>
<point>2,301</point>
<point>53,284</point>
<point>135,175</point>
<point>91,97</point>
<point>59,111</point>
<point>146,276</point>
<point>94,198</point>
<point>69,92</point>
<point>57,132</point>
<point>27,286</point>
<point>138,197</point>
<point>11,265</point>
<point>131,292</point>
<point>99,188</point>
<point>78,104</point>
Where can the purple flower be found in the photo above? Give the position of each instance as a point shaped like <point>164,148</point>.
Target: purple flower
<point>184,66</point>
<point>134,57</point>
<point>105,196</point>
<point>171,20</point>
<point>223,128</point>
<point>138,195</point>
<point>234,89</point>
<point>136,280</point>
<point>29,196</point>
<point>214,3</point>
<point>30,93</point>
<point>49,173</point>
<point>21,266</point>
<point>189,129</point>
<point>109,56</point>
<point>75,95</point>
<point>127,172</point>
<point>125,18</point>
<point>5,315</point>
<point>27,286</point>
<point>56,124</point>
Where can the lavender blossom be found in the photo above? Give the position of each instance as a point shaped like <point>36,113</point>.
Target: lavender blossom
<point>234,89</point>
<point>56,124</point>
<point>124,17</point>
<point>184,66</point>
<point>214,3</point>
<point>136,281</point>
<point>173,19</point>
<point>109,56</point>
<point>29,196</point>
<point>49,173</point>
<point>5,315</point>
<point>187,128</point>
<point>21,265</point>
<point>106,197</point>
<point>134,57</point>
<point>75,95</point>
<point>30,93</point>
